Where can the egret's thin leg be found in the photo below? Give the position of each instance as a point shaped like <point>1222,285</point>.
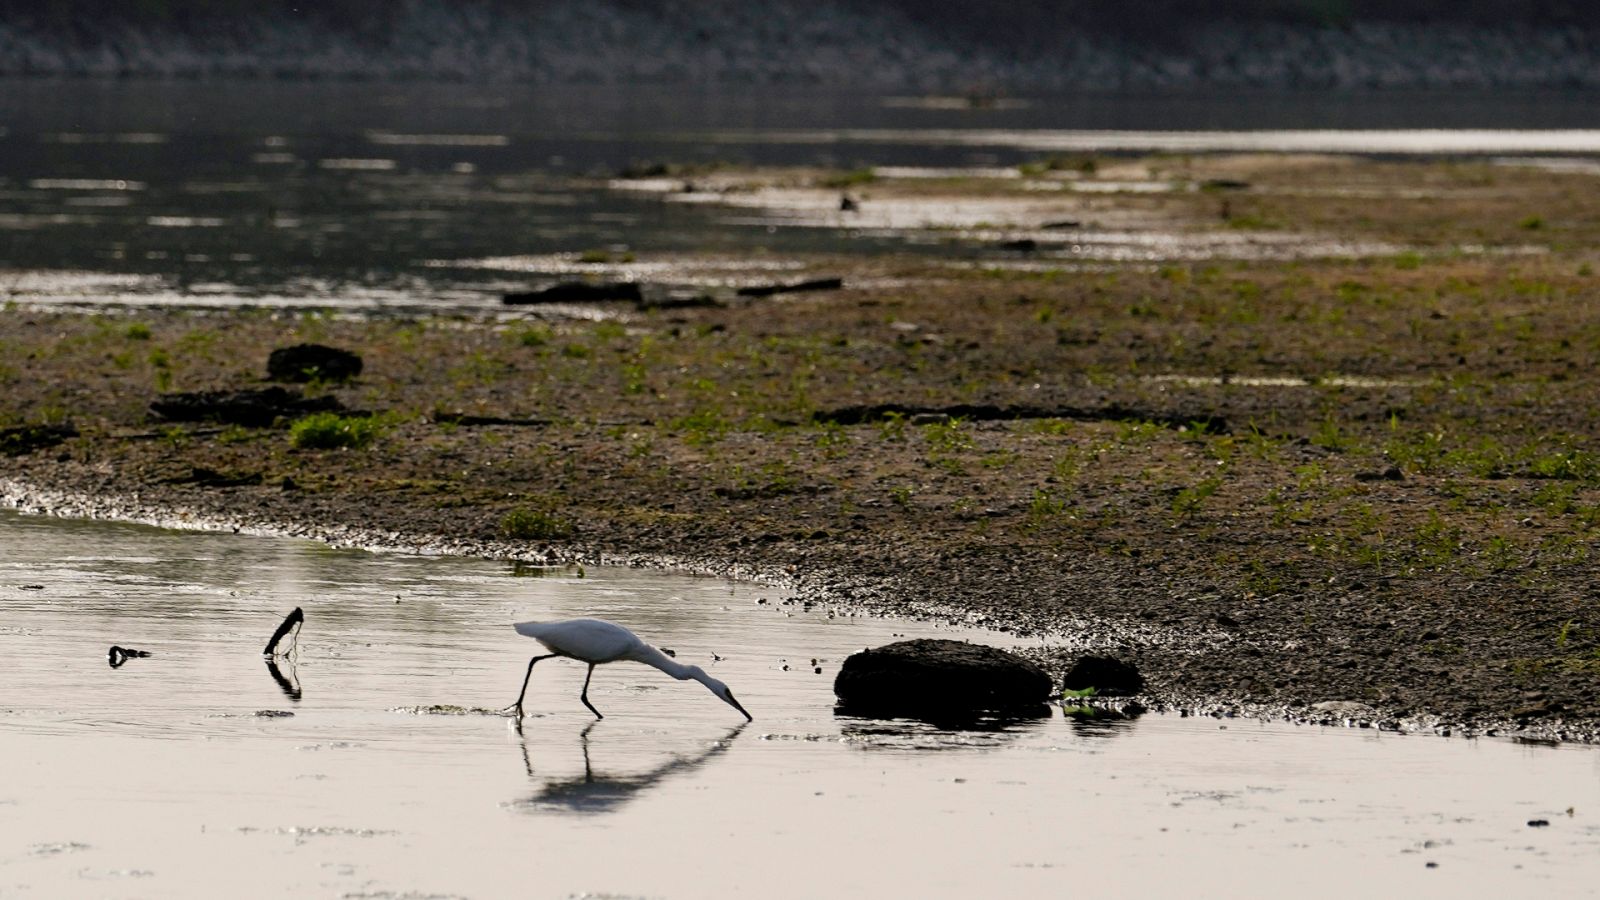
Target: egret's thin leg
<point>585,695</point>
<point>526,678</point>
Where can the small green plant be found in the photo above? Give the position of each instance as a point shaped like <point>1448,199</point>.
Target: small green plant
<point>1046,508</point>
<point>1531,223</point>
<point>1187,502</point>
<point>235,434</point>
<point>703,426</point>
<point>1408,260</point>
<point>137,331</point>
<point>331,431</point>
<point>852,178</point>
<point>534,336</point>
<point>948,437</point>
<point>633,378</point>
<point>901,496</point>
<point>164,369</point>
<point>535,523</point>
<point>1564,633</point>
<point>1070,694</point>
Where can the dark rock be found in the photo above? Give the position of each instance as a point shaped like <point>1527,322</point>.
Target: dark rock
<point>249,408</point>
<point>1063,223</point>
<point>1205,422</point>
<point>578,292</point>
<point>645,170</point>
<point>933,679</point>
<point>1022,245</point>
<point>848,203</point>
<point>1224,184</point>
<point>312,362</point>
<point>1392,473</point>
<point>28,438</point>
<point>1109,677</point>
<point>767,290</point>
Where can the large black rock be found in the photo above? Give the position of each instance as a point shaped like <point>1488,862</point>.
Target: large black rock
<point>939,679</point>
<point>249,408</point>
<point>312,362</point>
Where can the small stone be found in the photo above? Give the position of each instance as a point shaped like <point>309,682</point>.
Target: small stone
<point>1110,677</point>
<point>312,362</point>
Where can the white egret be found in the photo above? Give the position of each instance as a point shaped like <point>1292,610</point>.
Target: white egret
<point>597,641</point>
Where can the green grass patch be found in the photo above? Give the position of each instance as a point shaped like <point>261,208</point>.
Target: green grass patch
<point>536,523</point>
<point>331,431</point>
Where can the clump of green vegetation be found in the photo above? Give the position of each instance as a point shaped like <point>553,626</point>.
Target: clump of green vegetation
<point>852,178</point>
<point>331,431</point>
<point>1531,223</point>
<point>539,522</point>
<point>1188,501</point>
<point>534,336</point>
<point>705,425</point>
<point>950,436</point>
<point>1046,506</point>
<point>138,331</point>
<point>162,363</point>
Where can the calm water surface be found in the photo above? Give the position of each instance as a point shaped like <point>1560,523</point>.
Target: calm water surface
<point>384,197</point>
<point>182,774</point>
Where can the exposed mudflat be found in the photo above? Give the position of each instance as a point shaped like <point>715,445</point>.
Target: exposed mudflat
<point>1280,479</point>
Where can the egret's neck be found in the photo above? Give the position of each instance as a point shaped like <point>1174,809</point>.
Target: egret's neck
<point>650,656</point>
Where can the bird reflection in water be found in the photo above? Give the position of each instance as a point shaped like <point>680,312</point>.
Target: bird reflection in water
<point>288,682</point>
<point>601,793</point>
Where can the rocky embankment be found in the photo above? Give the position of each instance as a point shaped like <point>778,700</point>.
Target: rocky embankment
<point>850,47</point>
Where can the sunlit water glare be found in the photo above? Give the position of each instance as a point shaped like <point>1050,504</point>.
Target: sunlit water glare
<point>181,774</point>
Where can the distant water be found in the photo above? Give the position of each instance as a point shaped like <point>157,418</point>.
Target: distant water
<point>364,195</point>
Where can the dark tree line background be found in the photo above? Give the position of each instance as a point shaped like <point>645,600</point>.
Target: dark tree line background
<point>1016,22</point>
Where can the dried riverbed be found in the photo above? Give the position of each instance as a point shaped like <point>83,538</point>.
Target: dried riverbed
<point>1328,487</point>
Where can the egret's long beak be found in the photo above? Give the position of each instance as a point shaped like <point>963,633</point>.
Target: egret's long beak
<point>735,704</point>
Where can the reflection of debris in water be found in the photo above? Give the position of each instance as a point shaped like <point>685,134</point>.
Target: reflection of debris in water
<point>979,732</point>
<point>289,684</point>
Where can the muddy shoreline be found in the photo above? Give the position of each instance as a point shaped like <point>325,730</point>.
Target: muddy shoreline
<point>1322,488</point>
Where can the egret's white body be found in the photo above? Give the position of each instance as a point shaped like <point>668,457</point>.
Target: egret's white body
<point>596,641</point>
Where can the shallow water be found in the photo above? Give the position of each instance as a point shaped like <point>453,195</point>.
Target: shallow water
<point>181,775</point>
